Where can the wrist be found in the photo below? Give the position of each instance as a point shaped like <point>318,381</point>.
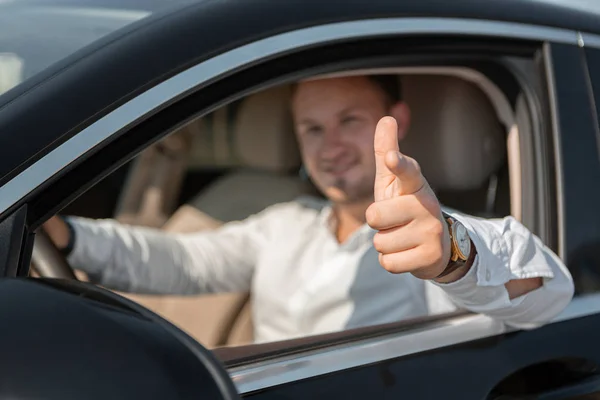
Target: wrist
<point>458,272</point>
<point>68,243</point>
<point>462,251</point>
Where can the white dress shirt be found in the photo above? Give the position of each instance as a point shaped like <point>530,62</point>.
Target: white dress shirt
<point>304,282</point>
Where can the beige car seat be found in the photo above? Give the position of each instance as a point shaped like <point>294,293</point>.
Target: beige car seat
<point>455,135</point>
<point>265,145</point>
<point>459,142</point>
<point>266,148</point>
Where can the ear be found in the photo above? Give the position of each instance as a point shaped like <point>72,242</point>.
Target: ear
<point>401,112</point>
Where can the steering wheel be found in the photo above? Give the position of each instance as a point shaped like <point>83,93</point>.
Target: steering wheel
<point>48,260</point>
<point>208,375</point>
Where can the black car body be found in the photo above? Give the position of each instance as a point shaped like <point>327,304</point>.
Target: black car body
<point>88,113</point>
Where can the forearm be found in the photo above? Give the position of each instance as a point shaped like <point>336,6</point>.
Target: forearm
<point>514,278</point>
<point>132,259</point>
<point>144,260</point>
<point>520,287</point>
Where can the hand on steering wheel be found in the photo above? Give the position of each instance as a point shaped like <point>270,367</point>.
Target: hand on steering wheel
<point>48,260</point>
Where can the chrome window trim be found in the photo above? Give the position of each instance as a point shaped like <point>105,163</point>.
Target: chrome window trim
<point>176,86</point>
<point>589,40</point>
<point>454,331</point>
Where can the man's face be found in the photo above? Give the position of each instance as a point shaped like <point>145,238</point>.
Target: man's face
<point>335,121</point>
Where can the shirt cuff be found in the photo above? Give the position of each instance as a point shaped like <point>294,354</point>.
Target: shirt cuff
<point>467,293</point>
<point>505,251</point>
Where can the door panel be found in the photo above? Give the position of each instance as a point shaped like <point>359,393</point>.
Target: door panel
<point>474,370</point>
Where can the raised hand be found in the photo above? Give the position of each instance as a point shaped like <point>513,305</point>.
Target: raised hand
<point>412,235</point>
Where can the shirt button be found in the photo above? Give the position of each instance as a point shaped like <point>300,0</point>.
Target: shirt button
<point>488,276</point>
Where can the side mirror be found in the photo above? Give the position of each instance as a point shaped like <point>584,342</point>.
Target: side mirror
<point>64,339</point>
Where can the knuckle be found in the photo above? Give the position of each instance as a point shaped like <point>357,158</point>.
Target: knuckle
<point>435,229</point>
<point>378,242</point>
<point>386,263</point>
<point>373,215</point>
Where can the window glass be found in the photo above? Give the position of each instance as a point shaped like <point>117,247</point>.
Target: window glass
<point>245,158</point>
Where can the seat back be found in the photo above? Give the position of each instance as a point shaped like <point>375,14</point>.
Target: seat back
<point>265,145</point>
<point>459,142</point>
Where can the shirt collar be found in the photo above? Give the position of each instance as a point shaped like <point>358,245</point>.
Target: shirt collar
<point>364,234</point>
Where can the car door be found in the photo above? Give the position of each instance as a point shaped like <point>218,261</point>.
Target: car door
<point>431,359</point>
<point>131,88</point>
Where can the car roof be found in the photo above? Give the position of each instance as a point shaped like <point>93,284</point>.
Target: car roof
<point>141,5</point>
<point>580,14</point>
<point>510,10</point>
<point>116,67</point>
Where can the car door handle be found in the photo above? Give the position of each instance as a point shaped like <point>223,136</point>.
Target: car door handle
<point>585,387</point>
<point>563,378</point>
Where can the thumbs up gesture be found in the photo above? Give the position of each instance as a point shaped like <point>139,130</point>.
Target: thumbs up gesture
<point>412,234</point>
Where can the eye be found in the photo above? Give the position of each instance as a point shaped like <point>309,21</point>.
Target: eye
<point>349,120</point>
<point>313,131</point>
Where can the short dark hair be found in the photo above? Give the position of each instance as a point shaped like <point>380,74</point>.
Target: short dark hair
<point>390,85</point>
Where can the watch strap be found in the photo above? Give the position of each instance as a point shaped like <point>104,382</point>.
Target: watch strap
<point>454,265</point>
<point>455,261</point>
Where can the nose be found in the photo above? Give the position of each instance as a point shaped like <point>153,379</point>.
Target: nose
<point>333,146</point>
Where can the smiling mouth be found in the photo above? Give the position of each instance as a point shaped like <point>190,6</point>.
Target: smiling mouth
<point>339,169</point>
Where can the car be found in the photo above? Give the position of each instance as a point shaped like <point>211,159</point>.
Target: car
<point>153,113</point>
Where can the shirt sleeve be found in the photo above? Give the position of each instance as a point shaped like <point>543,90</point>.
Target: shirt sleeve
<point>146,260</point>
<point>506,250</point>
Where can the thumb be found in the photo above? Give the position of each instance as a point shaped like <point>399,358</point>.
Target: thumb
<point>385,141</point>
<point>407,171</point>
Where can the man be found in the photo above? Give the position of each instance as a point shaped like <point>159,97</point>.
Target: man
<point>314,266</point>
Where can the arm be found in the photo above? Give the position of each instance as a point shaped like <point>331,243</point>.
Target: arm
<point>514,277</point>
<point>145,260</point>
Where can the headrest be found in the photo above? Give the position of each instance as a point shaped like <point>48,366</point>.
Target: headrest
<point>263,135</point>
<point>454,133</point>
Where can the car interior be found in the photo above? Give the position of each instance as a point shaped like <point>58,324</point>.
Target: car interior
<point>243,157</point>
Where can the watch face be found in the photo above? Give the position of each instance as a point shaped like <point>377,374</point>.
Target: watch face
<point>463,242</point>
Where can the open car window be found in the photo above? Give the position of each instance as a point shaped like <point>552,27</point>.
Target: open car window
<point>244,158</point>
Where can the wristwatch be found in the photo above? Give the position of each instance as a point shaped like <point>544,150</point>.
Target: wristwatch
<point>462,250</point>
